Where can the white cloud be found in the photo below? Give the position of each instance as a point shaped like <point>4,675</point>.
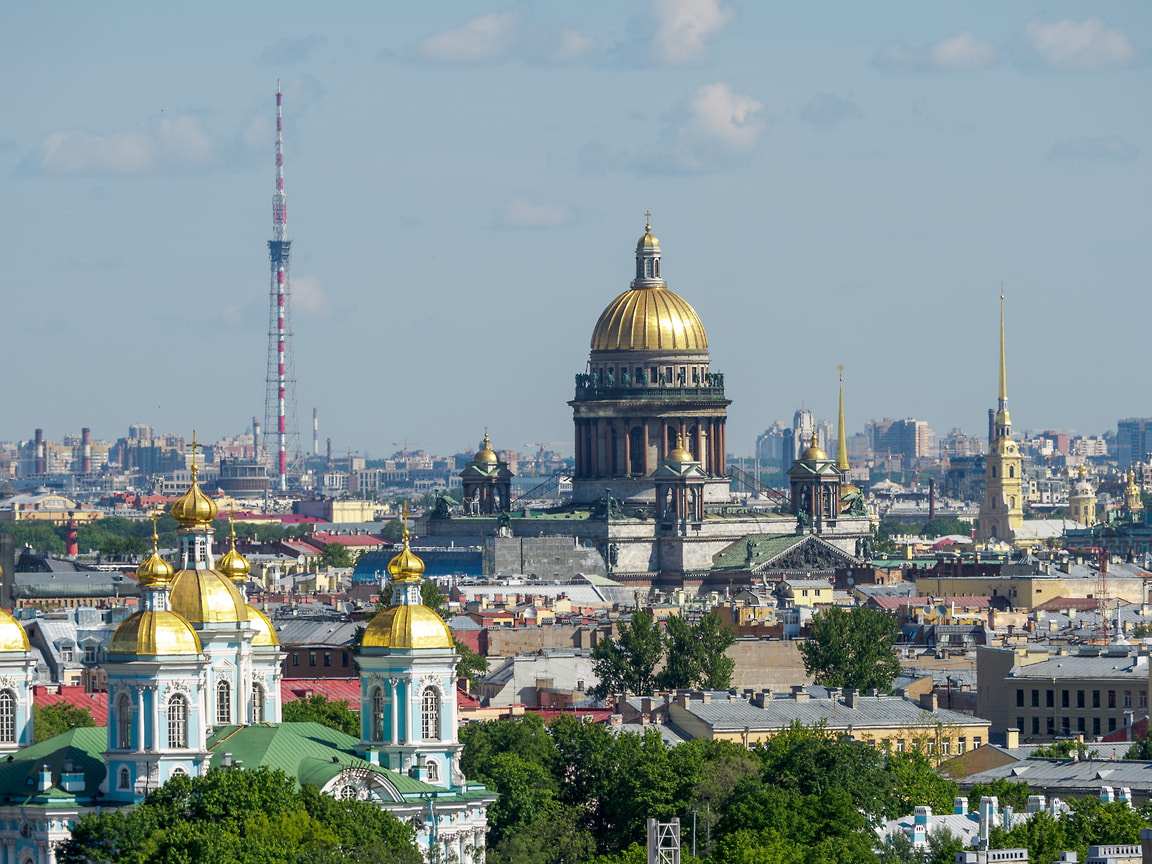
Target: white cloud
<point>308,295</point>
<point>290,50</point>
<point>1095,149</point>
<point>520,212</point>
<point>682,27</point>
<point>960,52</point>
<point>489,37</point>
<point>260,135</point>
<point>964,52</point>
<point>572,44</point>
<point>1079,45</point>
<point>721,116</point>
<point>178,142</point>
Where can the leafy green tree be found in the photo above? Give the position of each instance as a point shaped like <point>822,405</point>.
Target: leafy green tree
<point>716,666</point>
<point>336,555</point>
<point>318,709</point>
<point>557,836</point>
<point>1064,749</point>
<point>915,782</point>
<point>1142,748</point>
<point>48,721</point>
<point>471,665</point>
<point>44,538</point>
<point>628,662</point>
<point>393,531</point>
<point>432,597</point>
<point>852,649</point>
<point>1009,794</point>
<point>682,660</point>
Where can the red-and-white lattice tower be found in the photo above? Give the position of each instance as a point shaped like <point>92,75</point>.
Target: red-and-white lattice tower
<point>280,427</point>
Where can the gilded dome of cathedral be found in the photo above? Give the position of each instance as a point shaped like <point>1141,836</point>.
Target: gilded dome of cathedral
<point>486,455</point>
<point>233,565</point>
<point>407,627</point>
<point>649,319</point>
<point>12,635</point>
<point>814,452</point>
<point>194,507</point>
<point>265,633</point>
<point>152,633</point>
<point>207,597</point>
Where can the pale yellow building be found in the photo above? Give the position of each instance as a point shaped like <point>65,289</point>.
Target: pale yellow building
<point>1082,501</point>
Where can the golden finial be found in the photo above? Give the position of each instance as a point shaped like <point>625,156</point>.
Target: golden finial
<point>195,447</point>
<point>404,535</point>
<point>647,221</point>
<point>840,369</point>
<point>841,429</point>
<point>155,517</point>
<point>231,527</point>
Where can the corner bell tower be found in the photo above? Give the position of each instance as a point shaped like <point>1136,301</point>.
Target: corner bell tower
<point>1002,510</point>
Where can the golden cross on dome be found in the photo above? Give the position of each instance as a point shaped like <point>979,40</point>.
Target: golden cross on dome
<point>195,446</point>
<point>840,369</point>
<point>405,535</point>
<point>647,221</point>
<point>155,517</point>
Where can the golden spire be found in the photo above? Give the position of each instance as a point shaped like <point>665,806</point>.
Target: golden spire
<point>1003,394</point>
<point>155,571</point>
<point>194,448</point>
<point>841,432</point>
<point>233,565</point>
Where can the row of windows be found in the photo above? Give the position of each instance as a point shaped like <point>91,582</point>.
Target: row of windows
<point>177,714</point>
<point>929,746</point>
<point>1081,698</point>
<point>613,376</point>
<point>312,656</point>
<point>1066,725</point>
<point>429,714</point>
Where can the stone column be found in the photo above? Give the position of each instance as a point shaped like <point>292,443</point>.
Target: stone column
<point>627,461</point>
<point>141,742</point>
<point>155,691</point>
<point>723,454</point>
<point>395,711</point>
<point>644,437</point>
<point>696,447</point>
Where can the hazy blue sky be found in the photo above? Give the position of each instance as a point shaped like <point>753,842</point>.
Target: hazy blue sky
<point>831,183</point>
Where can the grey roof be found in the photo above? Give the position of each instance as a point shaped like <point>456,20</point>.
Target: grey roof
<point>85,583</point>
<point>334,633</point>
<point>883,711</point>
<point>1075,666</point>
<point>462,622</point>
<point>668,735</point>
<point>1070,777</point>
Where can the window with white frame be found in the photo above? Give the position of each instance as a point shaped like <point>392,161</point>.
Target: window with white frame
<point>223,702</point>
<point>124,722</point>
<point>178,722</point>
<point>430,714</point>
<point>7,717</point>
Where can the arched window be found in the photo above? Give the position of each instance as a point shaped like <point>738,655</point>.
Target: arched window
<point>433,771</point>
<point>125,778</point>
<point>430,715</point>
<point>1011,470</point>
<point>178,722</point>
<point>657,268</point>
<point>377,724</point>
<point>178,771</point>
<point>124,722</point>
<point>7,717</point>
<point>257,703</point>
<point>993,470</point>
<point>223,702</point>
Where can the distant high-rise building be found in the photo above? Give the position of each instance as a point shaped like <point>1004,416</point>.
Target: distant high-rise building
<point>957,445</point>
<point>911,439</point>
<point>1002,510</point>
<point>1133,440</point>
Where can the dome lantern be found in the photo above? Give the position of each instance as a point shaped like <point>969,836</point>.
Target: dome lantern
<point>648,273</point>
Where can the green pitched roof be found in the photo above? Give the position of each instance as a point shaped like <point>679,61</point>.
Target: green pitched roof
<point>82,747</point>
<point>767,547</point>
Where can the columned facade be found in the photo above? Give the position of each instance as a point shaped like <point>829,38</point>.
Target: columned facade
<point>648,384</point>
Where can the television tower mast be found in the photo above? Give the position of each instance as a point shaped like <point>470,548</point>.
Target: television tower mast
<point>280,392</point>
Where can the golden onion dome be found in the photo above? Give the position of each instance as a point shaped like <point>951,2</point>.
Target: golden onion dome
<point>649,319</point>
<point>12,635</point>
<point>207,597</point>
<point>406,566</point>
<point>155,571</point>
<point>679,453</point>
<point>194,507</point>
<point>407,627</point>
<point>265,633</point>
<point>154,634</point>
<point>485,455</point>
<point>233,565</point>
<point>813,452</point>
<point>850,489</point>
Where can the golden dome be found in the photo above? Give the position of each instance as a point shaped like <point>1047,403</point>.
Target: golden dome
<point>153,634</point>
<point>679,453</point>
<point>649,319</point>
<point>194,507</point>
<point>407,627</point>
<point>12,635</point>
<point>647,242</point>
<point>155,571</point>
<point>486,455</point>
<point>265,633</point>
<point>233,565</point>
<point>813,452</point>
<point>406,566</point>
<point>850,489</point>
<point>207,597</point>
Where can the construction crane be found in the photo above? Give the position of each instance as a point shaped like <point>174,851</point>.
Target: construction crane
<point>543,444</point>
<point>406,442</point>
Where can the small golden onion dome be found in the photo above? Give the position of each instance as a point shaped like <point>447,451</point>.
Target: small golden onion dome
<point>194,508</point>
<point>406,566</point>
<point>850,489</point>
<point>233,565</point>
<point>154,634</point>
<point>207,597</point>
<point>407,627</point>
<point>12,635</point>
<point>155,571</point>
<point>679,453</point>
<point>649,319</point>
<point>647,242</point>
<point>813,452</point>
<point>485,455</point>
<point>265,633</point>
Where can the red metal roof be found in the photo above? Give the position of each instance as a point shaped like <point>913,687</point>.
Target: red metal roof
<point>95,703</point>
<point>332,689</point>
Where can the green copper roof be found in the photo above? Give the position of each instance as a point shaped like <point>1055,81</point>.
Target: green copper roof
<point>82,747</point>
<point>765,548</point>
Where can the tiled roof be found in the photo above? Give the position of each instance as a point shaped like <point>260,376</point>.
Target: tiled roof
<point>95,703</point>
<point>332,689</point>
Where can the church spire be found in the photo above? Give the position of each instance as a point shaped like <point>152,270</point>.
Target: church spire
<point>1003,420</point>
<point>841,432</point>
